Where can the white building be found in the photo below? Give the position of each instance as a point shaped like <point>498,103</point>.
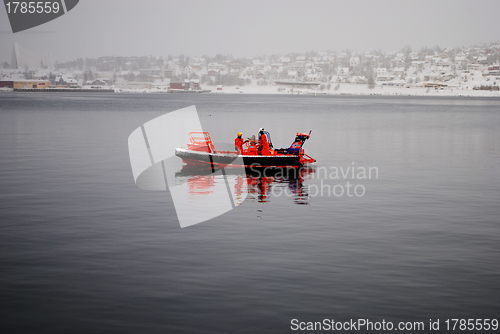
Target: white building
<point>400,57</point>
<point>354,61</point>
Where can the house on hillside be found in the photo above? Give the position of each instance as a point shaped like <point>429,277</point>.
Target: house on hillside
<point>354,61</point>
<point>170,72</point>
<point>285,60</point>
<point>292,75</point>
<point>97,82</point>
<point>414,56</point>
<point>188,70</point>
<point>384,75</point>
<point>359,79</point>
<point>213,73</point>
<point>312,76</point>
<point>482,60</point>
<point>399,71</point>
<point>400,57</point>
<point>460,59</point>
<point>260,75</point>
<point>343,72</point>
<point>65,81</point>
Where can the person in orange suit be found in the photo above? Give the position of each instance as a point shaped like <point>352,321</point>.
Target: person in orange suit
<point>238,143</point>
<point>263,143</point>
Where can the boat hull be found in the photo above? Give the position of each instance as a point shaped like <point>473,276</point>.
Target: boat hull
<point>191,157</point>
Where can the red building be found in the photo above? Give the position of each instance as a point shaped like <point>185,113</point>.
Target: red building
<point>193,84</point>
<point>6,84</point>
<point>178,85</point>
<point>212,73</point>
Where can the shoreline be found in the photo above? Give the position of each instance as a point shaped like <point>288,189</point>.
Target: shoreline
<point>363,90</point>
<point>343,90</point>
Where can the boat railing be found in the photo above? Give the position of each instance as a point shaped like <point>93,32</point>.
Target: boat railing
<point>201,140</point>
<point>306,159</point>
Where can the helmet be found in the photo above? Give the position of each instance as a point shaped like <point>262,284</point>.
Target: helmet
<point>239,134</point>
<point>261,129</point>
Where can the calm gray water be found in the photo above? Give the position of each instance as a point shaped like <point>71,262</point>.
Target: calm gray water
<point>84,250</point>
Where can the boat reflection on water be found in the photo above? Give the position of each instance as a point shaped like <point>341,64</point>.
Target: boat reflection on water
<point>257,184</point>
<point>287,182</point>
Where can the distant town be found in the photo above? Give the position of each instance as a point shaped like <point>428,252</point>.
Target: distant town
<point>426,71</point>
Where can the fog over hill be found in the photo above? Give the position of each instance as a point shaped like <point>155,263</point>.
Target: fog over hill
<point>253,28</point>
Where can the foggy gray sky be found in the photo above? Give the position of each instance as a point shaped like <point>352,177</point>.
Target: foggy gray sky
<point>247,28</point>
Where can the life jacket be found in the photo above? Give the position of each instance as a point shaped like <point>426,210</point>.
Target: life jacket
<point>269,140</point>
<point>252,148</point>
<point>238,143</point>
<point>264,145</point>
